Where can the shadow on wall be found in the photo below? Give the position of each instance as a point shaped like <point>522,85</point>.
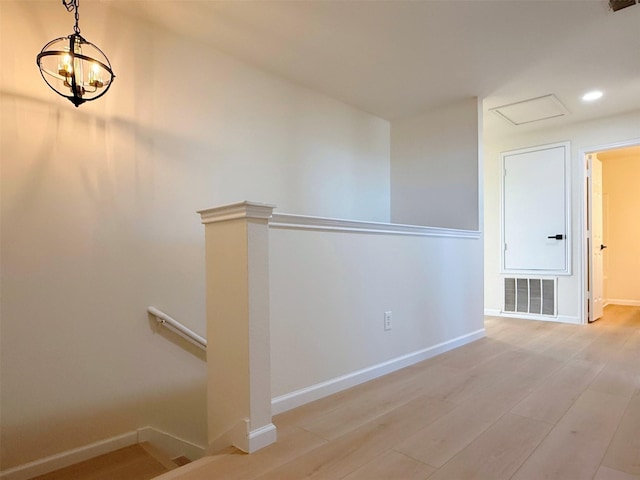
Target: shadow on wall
<point>92,232</point>
<point>23,443</point>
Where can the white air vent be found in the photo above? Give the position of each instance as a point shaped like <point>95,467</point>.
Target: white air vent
<point>535,296</point>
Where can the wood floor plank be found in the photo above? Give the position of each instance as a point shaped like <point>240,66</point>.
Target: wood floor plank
<point>460,386</point>
<point>441,381</point>
<point>616,380</point>
<point>601,350</point>
<point>232,464</point>
<point>624,451</point>
<point>200,469</point>
<point>334,404</point>
<point>348,453</point>
<point>497,453</point>
<point>159,456</point>
<point>576,445</point>
<point>392,466</point>
<point>606,473</point>
<point>553,398</point>
<point>350,415</point>
<point>539,366</point>
<point>473,354</point>
<point>436,443</point>
<point>129,463</point>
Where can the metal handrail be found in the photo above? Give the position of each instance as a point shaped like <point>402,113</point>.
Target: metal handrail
<point>174,325</point>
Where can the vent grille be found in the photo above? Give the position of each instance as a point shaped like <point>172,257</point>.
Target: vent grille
<point>620,4</point>
<point>530,296</point>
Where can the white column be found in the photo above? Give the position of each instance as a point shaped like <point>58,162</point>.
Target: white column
<point>238,350</point>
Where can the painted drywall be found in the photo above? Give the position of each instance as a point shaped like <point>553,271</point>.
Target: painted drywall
<point>329,292</point>
<point>434,167</point>
<point>583,136</point>
<point>99,218</point>
<point>620,179</point>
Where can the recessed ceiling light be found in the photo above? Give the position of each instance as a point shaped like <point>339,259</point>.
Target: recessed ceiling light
<point>591,96</point>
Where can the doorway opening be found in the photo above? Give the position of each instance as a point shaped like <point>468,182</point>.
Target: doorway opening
<point>610,226</point>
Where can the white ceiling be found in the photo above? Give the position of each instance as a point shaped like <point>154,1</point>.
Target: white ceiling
<point>398,58</point>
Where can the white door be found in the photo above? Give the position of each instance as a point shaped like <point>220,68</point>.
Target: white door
<point>597,246</point>
<point>535,210</point>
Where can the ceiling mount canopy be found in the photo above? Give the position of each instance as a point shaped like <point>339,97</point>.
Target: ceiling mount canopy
<point>73,67</point>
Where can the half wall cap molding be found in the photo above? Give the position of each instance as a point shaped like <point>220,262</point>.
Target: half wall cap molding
<point>237,210</point>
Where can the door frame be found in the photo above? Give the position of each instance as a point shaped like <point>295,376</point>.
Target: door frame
<point>587,192</point>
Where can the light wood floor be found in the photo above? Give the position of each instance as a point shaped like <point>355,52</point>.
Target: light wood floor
<point>136,462</point>
<point>533,400</point>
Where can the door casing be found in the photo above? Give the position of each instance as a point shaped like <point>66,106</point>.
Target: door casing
<point>585,221</point>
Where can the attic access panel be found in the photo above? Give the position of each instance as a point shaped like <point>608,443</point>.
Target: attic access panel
<point>531,110</point>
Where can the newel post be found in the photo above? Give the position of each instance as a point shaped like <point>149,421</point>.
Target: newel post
<point>238,350</point>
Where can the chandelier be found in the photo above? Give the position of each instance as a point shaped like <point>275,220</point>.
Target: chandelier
<point>74,67</point>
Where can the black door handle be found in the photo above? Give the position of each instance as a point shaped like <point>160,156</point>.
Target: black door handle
<point>559,236</point>
<point>602,247</point>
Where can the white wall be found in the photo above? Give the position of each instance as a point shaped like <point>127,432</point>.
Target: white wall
<point>329,292</point>
<point>98,216</point>
<point>434,167</point>
<point>620,180</point>
<point>582,136</point>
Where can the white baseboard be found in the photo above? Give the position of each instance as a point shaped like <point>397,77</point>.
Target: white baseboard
<point>243,438</point>
<point>70,457</point>
<point>542,318</point>
<point>261,437</point>
<point>629,303</point>
<point>170,444</point>
<point>300,397</point>
<point>173,446</point>
<point>567,319</point>
<point>492,312</point>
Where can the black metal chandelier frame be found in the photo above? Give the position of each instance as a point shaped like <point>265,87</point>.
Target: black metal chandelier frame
<point>73,58</point>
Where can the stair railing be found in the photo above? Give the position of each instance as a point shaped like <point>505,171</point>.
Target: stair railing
<point>177,327</point>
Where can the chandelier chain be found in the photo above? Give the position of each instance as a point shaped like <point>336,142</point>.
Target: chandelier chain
<point>72,6</point>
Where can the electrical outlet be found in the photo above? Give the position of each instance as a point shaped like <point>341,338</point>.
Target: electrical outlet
<point>387,321</point>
